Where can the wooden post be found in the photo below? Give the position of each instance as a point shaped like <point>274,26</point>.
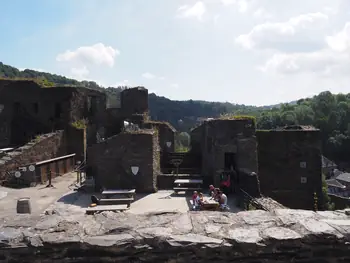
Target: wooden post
<point>50,179</point>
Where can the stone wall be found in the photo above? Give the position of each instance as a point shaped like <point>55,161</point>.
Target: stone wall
<point>42,148</point>
<point>221,136</point>
<point>134,100</point>
<point>166,134</point>
<point>110,161</point>
<point>113,122</point>
<point>29,109</point>
<point>252,237</point>
<point>75,142</point>
<point>290,167</point>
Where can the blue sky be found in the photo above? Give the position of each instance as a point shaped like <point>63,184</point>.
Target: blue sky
<point>243,51</point>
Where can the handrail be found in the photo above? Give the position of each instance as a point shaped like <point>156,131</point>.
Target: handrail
<point>248,199</point>
<point>55,159</point>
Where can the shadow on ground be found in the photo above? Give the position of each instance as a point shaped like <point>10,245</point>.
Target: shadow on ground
<point>83,199</point>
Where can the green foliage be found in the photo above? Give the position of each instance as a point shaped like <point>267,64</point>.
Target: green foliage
<point>80,124</point>
<point>327,204</point>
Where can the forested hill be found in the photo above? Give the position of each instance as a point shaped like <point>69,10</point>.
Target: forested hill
<point>327,111</point>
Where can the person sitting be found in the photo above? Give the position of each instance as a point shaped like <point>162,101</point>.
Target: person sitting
<point>223,201</point>
<point>211,190</point>
<point>201,199</point>
<point>216,194</point>
<point>195,200</point>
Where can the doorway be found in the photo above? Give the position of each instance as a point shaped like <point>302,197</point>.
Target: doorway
<point>230,177</point>
<point>230,161</point>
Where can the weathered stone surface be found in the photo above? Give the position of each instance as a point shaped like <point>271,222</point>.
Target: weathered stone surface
<point>251,236</point>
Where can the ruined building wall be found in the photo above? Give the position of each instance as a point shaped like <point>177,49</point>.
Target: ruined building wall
<point>42,148</point>
<point>229,136</point>
<point>197,135</point>
<point>30,109</point>
<point>166,134</point>
<point>290,167</point>
<point>134,101</point>
<point>111,160</point>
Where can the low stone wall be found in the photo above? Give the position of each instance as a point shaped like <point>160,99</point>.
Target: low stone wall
<point>42,148</point>
<point>251,236</point>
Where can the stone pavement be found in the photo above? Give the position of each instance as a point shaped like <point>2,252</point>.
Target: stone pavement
<point>283,235</point>
<point>40,196</point>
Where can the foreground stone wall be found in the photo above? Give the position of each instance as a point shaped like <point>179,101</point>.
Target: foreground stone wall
<point>290,167</point>
<point>42,148</point>
<point>251,237</point>
<point>110,161</point>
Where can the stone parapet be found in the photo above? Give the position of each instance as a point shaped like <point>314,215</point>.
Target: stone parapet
<point>252,236</point>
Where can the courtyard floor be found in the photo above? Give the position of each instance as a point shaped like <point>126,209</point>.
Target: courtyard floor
<point>40,196</point>
<point>64,200</point>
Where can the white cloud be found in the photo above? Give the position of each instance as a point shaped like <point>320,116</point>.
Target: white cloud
<point>340,41</point>
<point>242,5</point>
<point>161,78</point>
<point>148,75</point>
<point>269,34</point>
<point>175,85</point>
<point>196,11</point>
<point>35,69</point>
<point>123,83</point>
<point>80,73</point>
<point>262,13</point>
<point>97,54</point>
<point>330,61</point>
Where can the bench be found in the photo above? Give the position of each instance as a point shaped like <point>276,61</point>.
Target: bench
<point>129,193</point>
<point>115,201</point>
<point>187,184</point>
<point>102,208</point>
<point>188,181</point>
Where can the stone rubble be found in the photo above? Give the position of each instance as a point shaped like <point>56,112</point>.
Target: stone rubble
<point>251,236</point>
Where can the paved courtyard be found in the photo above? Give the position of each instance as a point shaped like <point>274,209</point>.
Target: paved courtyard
<point>73,203</point>
<point>64,200</point>
<point>40,196</point>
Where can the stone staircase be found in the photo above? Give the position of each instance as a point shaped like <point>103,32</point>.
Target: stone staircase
<point>185,168</point>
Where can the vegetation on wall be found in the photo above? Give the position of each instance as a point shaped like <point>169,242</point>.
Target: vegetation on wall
<point>80,124</point>
<point>326,111</point>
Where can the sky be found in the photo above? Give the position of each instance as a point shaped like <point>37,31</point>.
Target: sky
<point>255,52</point>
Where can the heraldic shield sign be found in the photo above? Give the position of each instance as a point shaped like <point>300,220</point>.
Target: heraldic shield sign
<point>134,169</point>
<point>168,144</point>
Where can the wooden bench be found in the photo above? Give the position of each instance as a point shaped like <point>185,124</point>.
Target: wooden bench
<point>115,201</point>
<point>129,193</point>
<point>102,208</point>
<point>188,181</point>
